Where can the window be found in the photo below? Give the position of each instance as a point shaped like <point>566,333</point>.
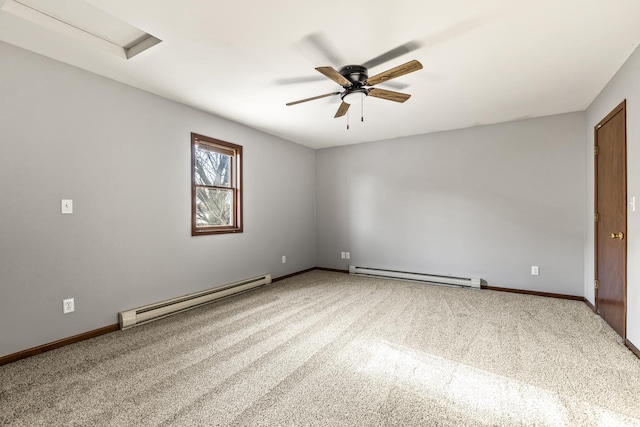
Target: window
<point>216,186</point>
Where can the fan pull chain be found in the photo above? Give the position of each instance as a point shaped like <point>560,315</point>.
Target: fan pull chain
<point>362,108</point>
<point>347,119</point>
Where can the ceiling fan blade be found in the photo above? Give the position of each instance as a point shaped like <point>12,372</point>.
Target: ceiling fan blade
<point>396,85</point>
<point>334,75</point>
<point>393,54</point>
<point>311,99</point>
<point>342,110</point>
<point>323,46</point>
<point>389,95</point>
<point>398,71</point>
<point>296,80</point>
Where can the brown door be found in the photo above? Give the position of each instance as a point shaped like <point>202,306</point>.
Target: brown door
<point>611,215</point>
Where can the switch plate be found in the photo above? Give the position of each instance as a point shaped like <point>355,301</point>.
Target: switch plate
<point>535,270</point>
<point>347,255</point>
<point>68,306</point>
<point>632,203</point>
<point>284,259</point>
<point>343,255</point>
<point>66,206</point>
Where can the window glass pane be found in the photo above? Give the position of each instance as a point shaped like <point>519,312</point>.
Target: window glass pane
<point>216,179</point>
<point>212,168</point>
<point>214,207</point>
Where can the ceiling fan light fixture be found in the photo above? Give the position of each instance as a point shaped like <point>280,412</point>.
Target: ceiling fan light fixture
<point>354,97</point>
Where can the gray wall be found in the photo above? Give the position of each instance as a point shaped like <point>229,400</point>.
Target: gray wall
<point>624,85</point>
<point>489,201</point>
<point>123,156</point>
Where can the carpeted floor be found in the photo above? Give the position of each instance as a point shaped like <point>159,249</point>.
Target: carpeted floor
<point>325,349</point>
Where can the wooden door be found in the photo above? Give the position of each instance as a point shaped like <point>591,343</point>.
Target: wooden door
<point>611,219</point>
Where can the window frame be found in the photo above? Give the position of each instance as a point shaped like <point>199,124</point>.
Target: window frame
<point>236,186</point>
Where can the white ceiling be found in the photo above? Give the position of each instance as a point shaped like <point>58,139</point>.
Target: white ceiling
<point>484,61</point>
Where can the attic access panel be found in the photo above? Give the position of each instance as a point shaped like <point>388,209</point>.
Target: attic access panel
<point>84,22</point>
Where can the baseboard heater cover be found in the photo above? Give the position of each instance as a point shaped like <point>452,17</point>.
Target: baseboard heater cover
<point>471,282</point>
<point>151,312</point>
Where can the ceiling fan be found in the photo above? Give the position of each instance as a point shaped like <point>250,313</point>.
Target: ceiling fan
<point>356,84</point>
<point>354,79</point>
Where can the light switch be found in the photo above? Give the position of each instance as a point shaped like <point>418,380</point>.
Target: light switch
<point>66,206</point>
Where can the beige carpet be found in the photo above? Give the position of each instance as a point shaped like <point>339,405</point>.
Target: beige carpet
<point>325,349</point>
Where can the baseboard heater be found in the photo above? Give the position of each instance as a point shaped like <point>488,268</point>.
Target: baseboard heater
<point>471,282</point>
<point>148,313</point>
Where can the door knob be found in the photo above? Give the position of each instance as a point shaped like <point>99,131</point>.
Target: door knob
<point>619,235</point>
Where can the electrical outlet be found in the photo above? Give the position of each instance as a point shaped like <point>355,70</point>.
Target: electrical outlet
<point>68,306</point>
<point>284,259</point>
<point>535,271</point>
<point>347,255</point>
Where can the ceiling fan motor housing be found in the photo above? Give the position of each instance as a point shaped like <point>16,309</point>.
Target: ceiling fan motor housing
<point>356,74</point>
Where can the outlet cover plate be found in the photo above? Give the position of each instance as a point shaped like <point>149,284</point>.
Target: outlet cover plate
<point>68,306</point>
